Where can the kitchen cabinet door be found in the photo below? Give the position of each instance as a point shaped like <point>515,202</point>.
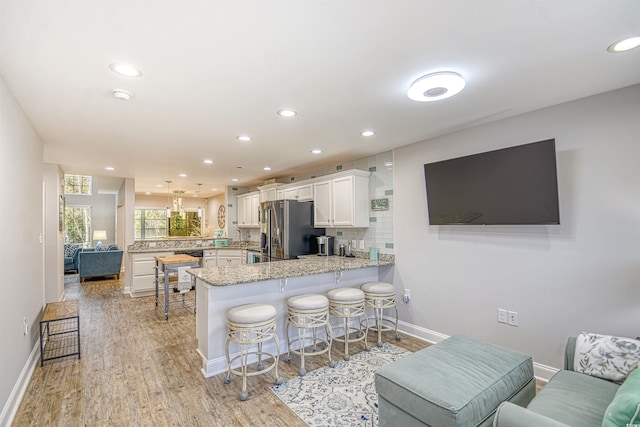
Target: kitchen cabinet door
<point>305,193</point>
<point>254,208</point>
<point>322,204</point>
<point>343,198</point>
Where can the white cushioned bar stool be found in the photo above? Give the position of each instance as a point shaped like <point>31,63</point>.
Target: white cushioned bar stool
<point>304,312</point>
<point>378,296</point>
<point>348,304</point>
<point>249,326</point>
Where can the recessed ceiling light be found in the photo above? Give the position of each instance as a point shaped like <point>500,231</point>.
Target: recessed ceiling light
<point>436,86</point>
<point>285,112</point>
<point>126,70</point>
<point>214,189</point>
<point>266,168</point>
<point>624,45</point>
<point>316,151</point>
<point>121,94</point>
<point>207,161</point>
<point>183,175</point>
<point>148,193</point>
<point>368,133</point>
<point>234,179</point>
<point>109,168</point>
<point>159,185</point>
<point>244,138</point>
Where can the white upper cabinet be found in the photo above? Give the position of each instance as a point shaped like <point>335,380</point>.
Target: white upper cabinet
<point>248,205</point>
<point>342,200</point>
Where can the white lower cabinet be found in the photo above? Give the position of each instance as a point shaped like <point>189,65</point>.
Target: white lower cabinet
<point>144,276</point>
<point>223,257</point>
<point>230,257</point>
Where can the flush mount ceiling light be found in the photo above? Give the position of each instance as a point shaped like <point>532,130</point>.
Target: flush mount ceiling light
<point>234,179</point>
<point>367,133</point>
<point>316,151</point>
<point>266,168</point>
<point>122,95</point>
<point>286,113</point>
<point>624,45</point>
<point>126,70</point>
<point>436,86</point>
<point>207,161</point>
<point>109,168</point>
<point>243,138</point>
<point>183,175</point>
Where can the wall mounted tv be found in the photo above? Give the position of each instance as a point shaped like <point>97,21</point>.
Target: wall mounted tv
<point>515,185</point>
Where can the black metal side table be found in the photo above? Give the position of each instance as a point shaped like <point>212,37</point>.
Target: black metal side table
<point>59,331</point>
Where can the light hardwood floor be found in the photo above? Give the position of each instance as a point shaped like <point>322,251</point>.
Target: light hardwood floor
<point>139,370</point>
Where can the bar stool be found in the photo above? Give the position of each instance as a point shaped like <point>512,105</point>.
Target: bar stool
<point>347,304</point>
<point>247,325</point>
<point>308,311</point>
<point>378,296</point>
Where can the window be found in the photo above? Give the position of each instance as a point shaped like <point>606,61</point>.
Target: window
<point>187,224</point>
<point>150,224</point>
<point>77,222</point>
<point>77,184</point>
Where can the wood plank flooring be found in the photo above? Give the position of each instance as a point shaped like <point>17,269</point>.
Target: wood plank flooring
<point>139,370</point>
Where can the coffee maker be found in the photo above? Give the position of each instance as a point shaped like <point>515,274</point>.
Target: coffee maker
<point>325,245</point>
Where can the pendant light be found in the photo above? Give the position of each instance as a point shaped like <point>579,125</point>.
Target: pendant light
<point>199,208</point>
<point>168,200</point>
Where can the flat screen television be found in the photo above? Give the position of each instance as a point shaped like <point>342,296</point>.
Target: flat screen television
<point>515,185</point>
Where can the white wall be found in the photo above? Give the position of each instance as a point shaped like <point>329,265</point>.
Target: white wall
<point>583,275</point>
<point>53,238</point>
<point>21,252</point>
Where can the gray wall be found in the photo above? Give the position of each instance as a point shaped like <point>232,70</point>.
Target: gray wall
<point>583,275</point>
<point>103,210</point>
<point>22,247</point>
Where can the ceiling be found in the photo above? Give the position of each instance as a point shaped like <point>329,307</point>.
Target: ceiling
<point>214,70</point>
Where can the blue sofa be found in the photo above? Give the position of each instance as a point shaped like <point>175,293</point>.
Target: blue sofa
<point>93,263</point>
<point>70,258</point>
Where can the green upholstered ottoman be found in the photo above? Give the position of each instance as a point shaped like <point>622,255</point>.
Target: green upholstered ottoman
<point>457,382</point>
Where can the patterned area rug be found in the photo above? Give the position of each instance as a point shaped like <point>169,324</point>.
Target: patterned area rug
<point>340,396</point>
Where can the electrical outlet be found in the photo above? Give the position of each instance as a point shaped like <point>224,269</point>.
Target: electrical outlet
<point>407,296</point>
<point>25,326</point>
<point>502,315</point>
<point>361,244</point>
<point>512,318</point>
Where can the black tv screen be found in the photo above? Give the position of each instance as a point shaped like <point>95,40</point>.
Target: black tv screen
<point>515,185</point>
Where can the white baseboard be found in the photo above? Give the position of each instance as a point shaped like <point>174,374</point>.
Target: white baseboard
<point>11,407</point>
<point>541,372</point>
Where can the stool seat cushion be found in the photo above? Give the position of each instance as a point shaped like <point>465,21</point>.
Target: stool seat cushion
<point>457,382</point>
<point>345,295</point>
<point>251,313</point>
<point>308,302</point>
<point>378,288</point>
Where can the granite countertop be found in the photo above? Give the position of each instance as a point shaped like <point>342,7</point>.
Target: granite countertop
<point>304,266</point>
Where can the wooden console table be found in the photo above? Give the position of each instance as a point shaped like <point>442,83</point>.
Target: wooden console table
<point>170,264</point>
<point>59,331</point>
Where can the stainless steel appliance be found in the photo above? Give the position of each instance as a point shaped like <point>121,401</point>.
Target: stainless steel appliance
<point>325,245</point>
<point>287,229</point>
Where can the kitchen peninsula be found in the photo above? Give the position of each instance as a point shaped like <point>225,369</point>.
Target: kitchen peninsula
<point>220,288</point>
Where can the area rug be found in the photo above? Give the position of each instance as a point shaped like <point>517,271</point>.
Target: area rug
<point>340,396</point>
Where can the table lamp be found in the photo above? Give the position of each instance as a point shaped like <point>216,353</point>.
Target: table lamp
<point>99,235</point>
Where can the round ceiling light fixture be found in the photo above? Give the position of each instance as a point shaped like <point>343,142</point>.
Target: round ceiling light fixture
<point>122,95</point>
<point>436,86</point>
<point>125,70</point>
<point>285,112</point>
<point>243,138</point>
<point>624,45</point>
<point>316,151</point>
<point>367,133</point>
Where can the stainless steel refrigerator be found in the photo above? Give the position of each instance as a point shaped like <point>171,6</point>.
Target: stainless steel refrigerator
<point>287,230</point>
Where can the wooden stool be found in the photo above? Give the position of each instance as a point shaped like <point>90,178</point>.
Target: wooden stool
<point>247,325</point>
<point>347,304</point>
<point>309,311</point>
<point>378,296</point>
